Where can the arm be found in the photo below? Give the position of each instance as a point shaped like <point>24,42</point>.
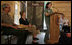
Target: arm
<point>7,25</point>
<point>30,25</point>
<point>22,23</point>
<point>46,14</point>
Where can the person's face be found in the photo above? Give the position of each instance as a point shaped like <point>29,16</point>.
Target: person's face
<point>62,16</point>
<point>7,9</point>
<point>24,15</point>
<point>50,5</point>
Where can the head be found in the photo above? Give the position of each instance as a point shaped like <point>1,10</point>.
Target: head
<point>48,5</point>
<point>22,13</point>
<point>62,16</point>
<point>6,8</point>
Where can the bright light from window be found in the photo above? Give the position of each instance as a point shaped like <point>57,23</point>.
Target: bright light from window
<point>26,9</point>
<point>16,6</point>
<point>16,17</point>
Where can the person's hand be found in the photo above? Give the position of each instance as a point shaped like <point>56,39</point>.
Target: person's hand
<point>47,14</point>
<point>30,25</point>
<point>26,25</point>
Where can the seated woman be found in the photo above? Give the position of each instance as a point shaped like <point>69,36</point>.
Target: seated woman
<point>25,22</point>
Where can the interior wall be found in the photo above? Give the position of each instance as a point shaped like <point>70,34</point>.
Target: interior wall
<point>37,14</point>
<point>60,6</point>
<point>12,5</point>
<point>63,7</point>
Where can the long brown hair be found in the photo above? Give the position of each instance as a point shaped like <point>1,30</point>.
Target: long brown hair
<point>48,4</point>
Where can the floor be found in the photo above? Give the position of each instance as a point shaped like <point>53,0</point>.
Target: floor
<point>29,39</point>
<point>40,41</point>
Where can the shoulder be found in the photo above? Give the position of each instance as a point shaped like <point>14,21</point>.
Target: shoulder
<point>20,19</point>
<point>26,19</point>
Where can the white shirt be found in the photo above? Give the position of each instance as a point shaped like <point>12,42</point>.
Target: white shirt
<point>61,21</point>
<point>66,21</point>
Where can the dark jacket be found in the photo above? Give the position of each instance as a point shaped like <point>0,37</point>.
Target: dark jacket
<point>24,22</point>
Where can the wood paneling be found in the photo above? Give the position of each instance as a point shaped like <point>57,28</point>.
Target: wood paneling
<point>54,29</point>
<point>63,7</point>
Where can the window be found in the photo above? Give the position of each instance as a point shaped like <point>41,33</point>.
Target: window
<point>26,9</point>
<point>16,17</point>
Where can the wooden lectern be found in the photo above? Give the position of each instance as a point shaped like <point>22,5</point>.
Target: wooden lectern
<point>54,28</point>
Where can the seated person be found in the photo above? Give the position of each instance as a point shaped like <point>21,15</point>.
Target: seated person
<point>25,22</point>
<point>61,22</point>
<point>66,35</point>
<point>7,25</point>
<point>66,26</point>
<point>6,20</point>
